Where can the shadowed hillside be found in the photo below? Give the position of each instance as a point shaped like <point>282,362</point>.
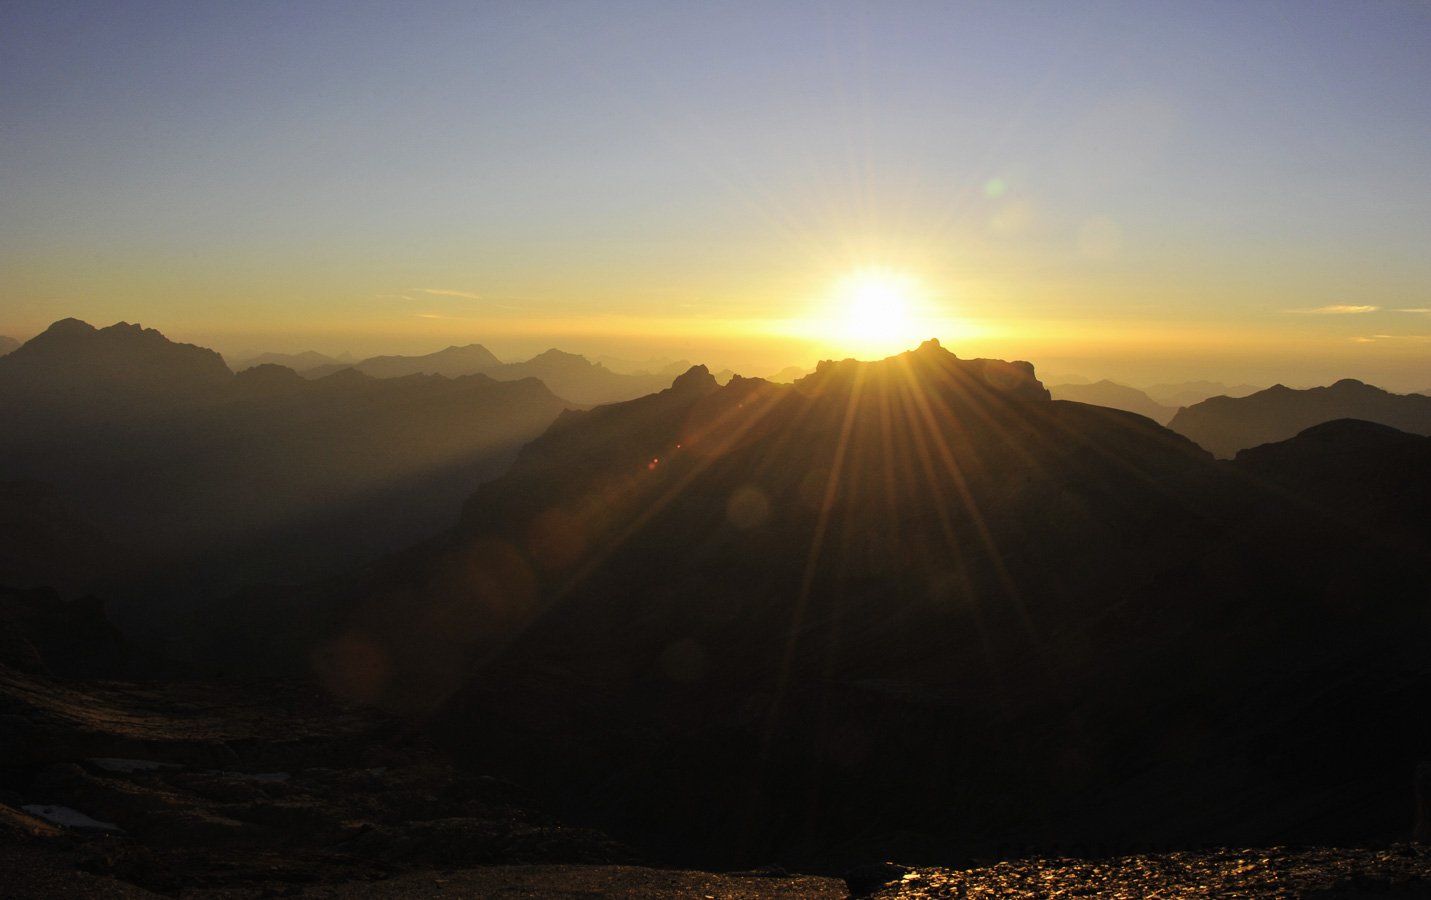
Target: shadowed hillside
<point>1371,475</point>
<point>1225,425</point>
<point>210,480</point>
<point>76,373</point>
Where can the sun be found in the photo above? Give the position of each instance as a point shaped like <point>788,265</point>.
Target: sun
<point>876,310</point>
<point>878,305</point>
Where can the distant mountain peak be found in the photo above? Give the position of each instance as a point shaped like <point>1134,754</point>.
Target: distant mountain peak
<point>96,373</point>
<point>561,356</point>
<point>70,326</point>
<point>696,379</point>
<point>1350,384</point>
<point>1225,425</point>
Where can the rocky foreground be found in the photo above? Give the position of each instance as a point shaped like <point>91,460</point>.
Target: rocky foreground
<point>1274,873</point>
<point>243,788</point>
<point>265,788</point>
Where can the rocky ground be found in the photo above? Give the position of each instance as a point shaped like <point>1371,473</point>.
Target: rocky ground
<point>247,788</point>
<point>1275,873</point>
<point>242,789</point>
<point>259,787</point>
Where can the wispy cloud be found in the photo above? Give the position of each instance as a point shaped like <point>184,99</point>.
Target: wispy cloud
<point>1414,338</point>
<point>429,316</point>
<point>1418,309</point>
<point>394,297</point>
<point>1336,310</point>
<point>446,292</point>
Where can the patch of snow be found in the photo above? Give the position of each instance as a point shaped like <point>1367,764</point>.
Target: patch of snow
<point>70,818</point>
<point>127,766</point>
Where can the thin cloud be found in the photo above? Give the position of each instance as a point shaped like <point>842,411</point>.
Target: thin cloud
<point>445,292</point>
<point>1336,310</point>
<point>1419,309</point>
<point>429,316</point>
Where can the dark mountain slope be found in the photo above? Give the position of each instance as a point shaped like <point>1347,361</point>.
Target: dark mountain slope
<point>8,345</point>
<point>1225,425</point>
<point>1365,473</point>
<point>76,371</point>
<point>1117,396</point>
<point>43,544</point>
<point>910,596</point>
<point>907,596</point>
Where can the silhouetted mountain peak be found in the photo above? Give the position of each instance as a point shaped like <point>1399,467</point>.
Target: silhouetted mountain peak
<point>266,379</point>
<point>1226,425</point>
<point>453,362</point>
<point>555,357</point>
<point>695,380</point>
<point>100,372</point>
<point>345,377</point>
<point>932,365</point>
<point>67,328</point>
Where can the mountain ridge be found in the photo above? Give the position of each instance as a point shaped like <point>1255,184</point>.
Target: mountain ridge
<point>1225,425</point>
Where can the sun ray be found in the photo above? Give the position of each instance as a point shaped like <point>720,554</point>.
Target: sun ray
<point>807,580</point>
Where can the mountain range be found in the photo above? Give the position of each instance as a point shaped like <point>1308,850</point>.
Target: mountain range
<point>898,606</point>
<point>1225,425</point>
<point>7,344</point>
<point>186,481</point>
<point>910,608</point>
<point>298,362</point>
<point>453,362</point>
<point>568,375</point>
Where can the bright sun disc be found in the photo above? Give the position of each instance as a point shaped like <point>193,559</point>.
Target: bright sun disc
<point>875,312</point>
<point>878,307</point>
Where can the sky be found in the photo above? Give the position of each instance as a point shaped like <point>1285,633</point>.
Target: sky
<point>1143,191</point>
